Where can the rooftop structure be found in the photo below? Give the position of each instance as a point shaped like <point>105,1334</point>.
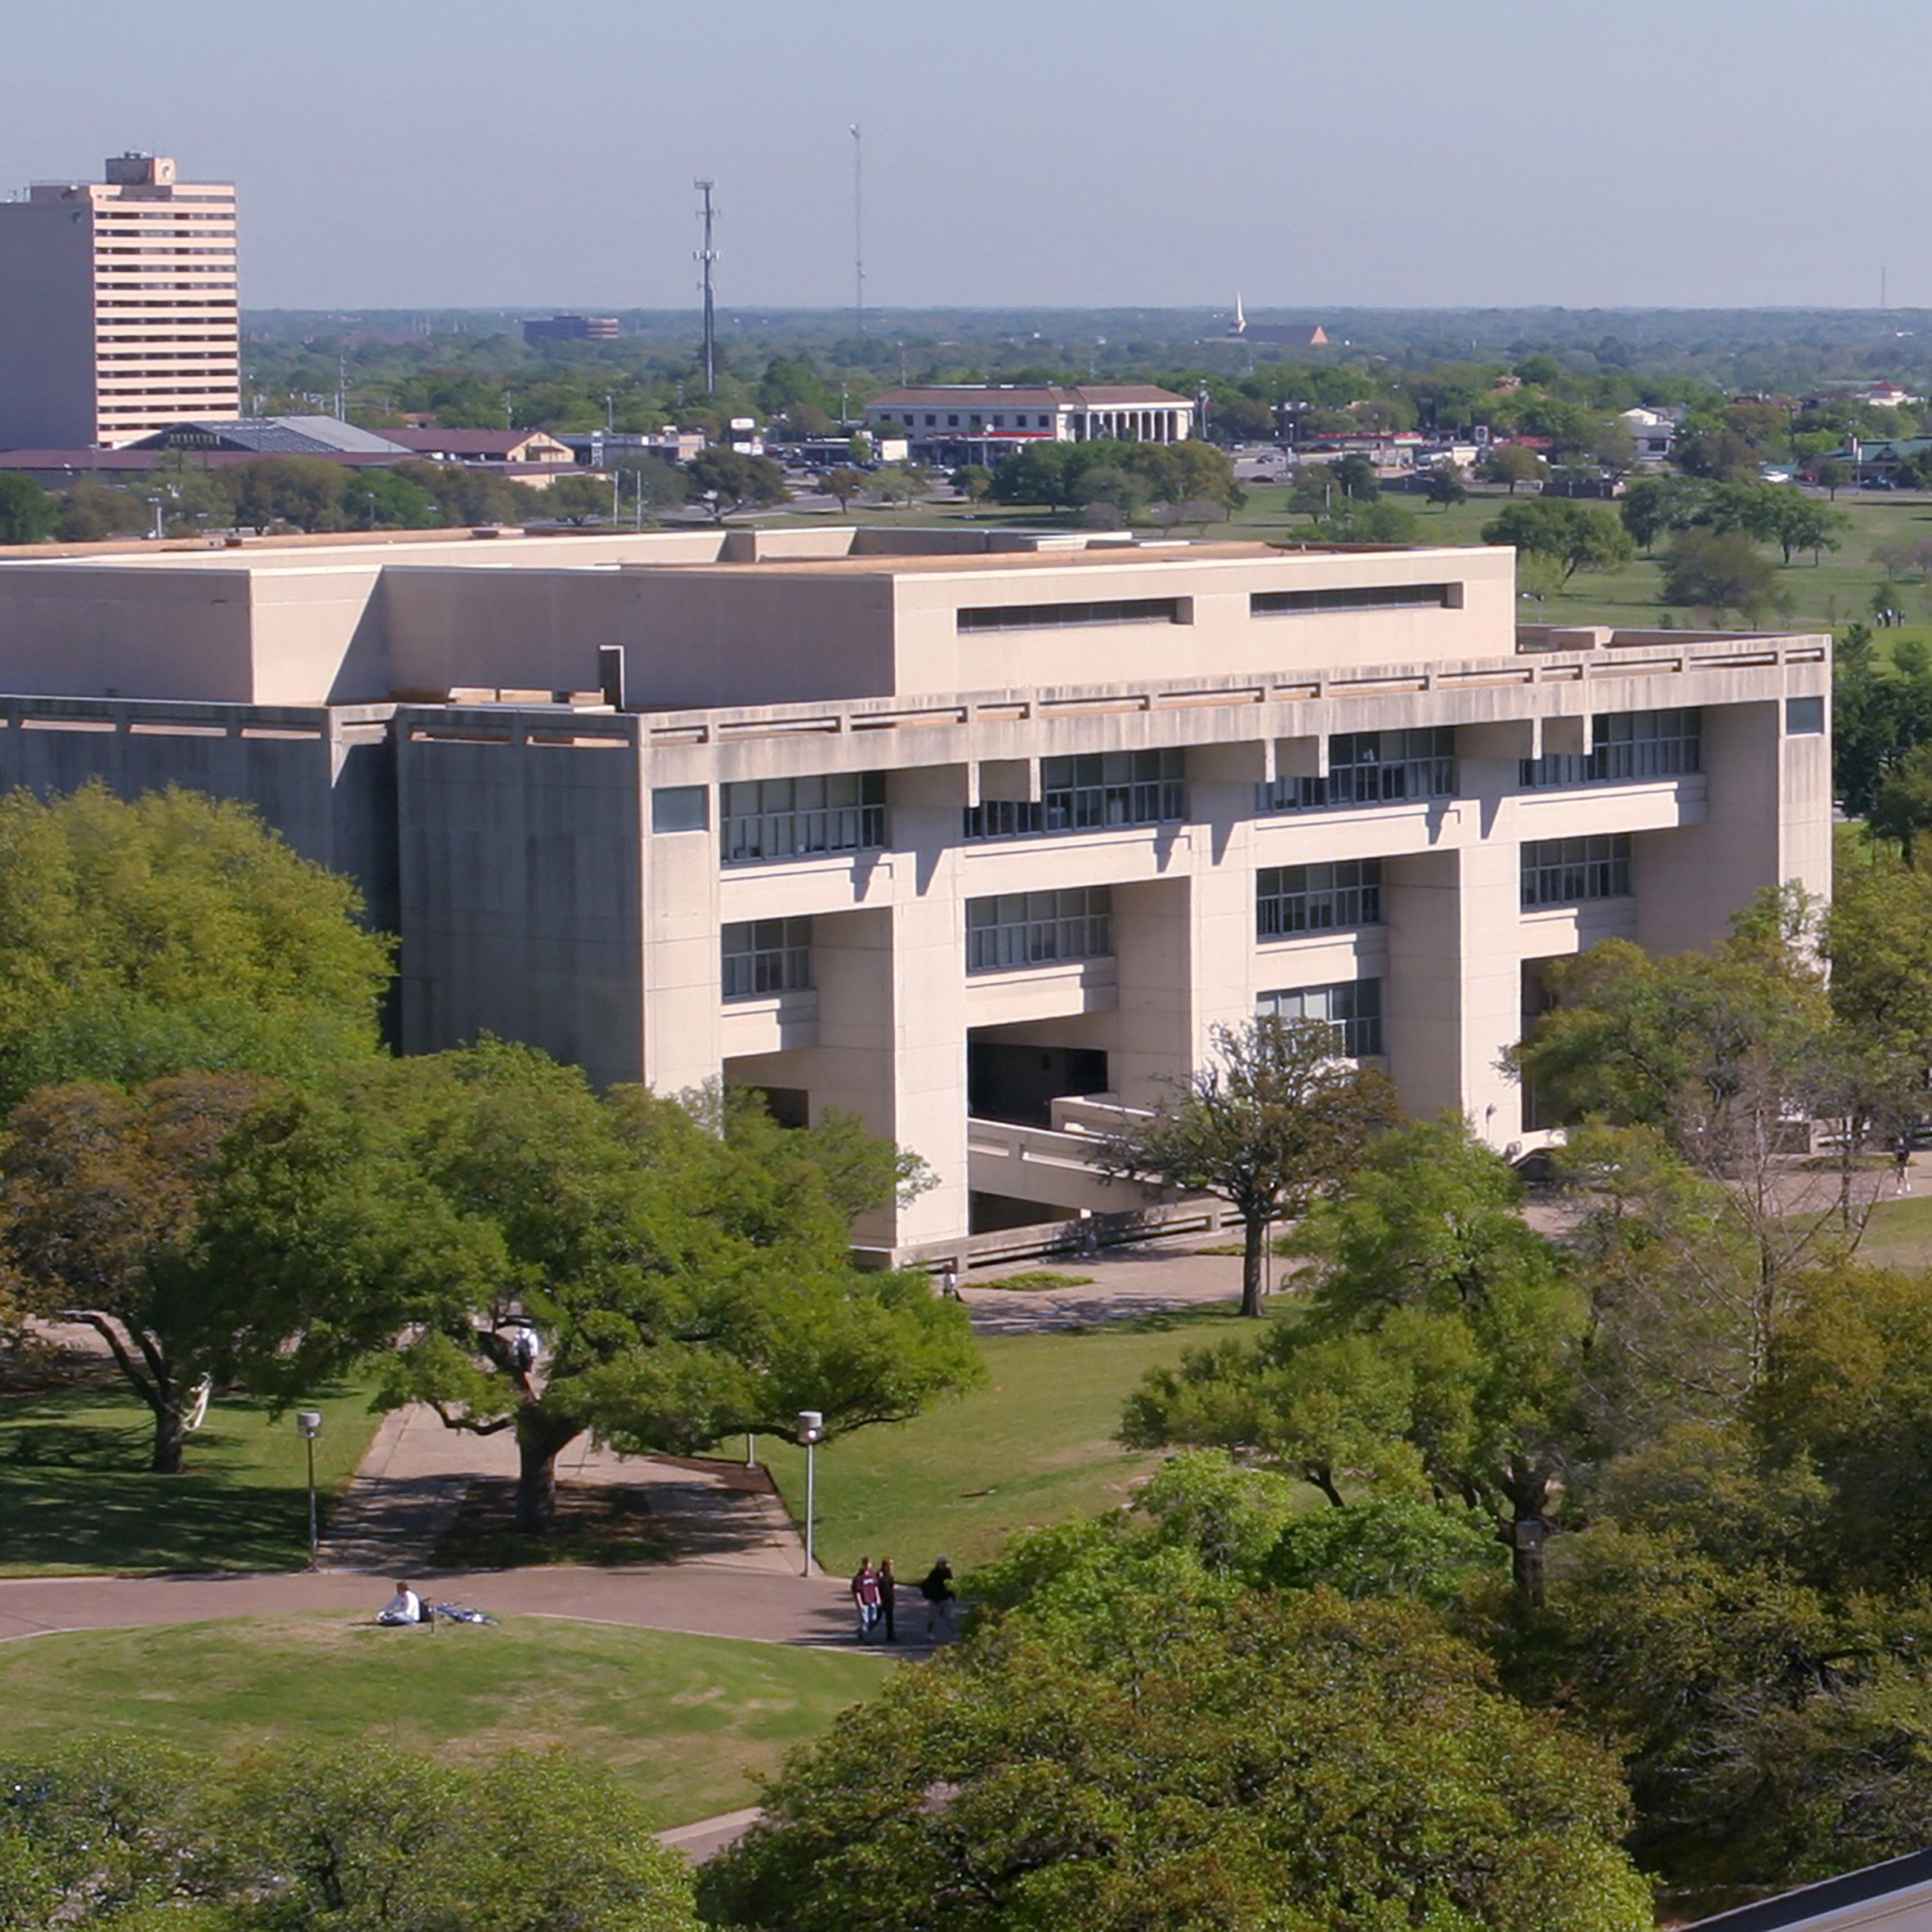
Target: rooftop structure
<point>975,834</point>
<point>276,435</point>
<point>118,307</point>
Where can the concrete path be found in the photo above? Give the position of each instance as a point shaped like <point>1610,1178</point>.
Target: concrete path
<point>408,1487</point>
<point>1126,1282</point>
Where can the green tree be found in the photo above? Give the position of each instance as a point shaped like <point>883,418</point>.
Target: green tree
<point>123,1211</point>
<point>1438,1353</point>
<point>1901,806</point>
<point>690,1277</point>
<point>1574,536</point>
<point>1720,454</point>
<point>1295,1760</point>
<point>91,511</point>
<point>1349,521</point>
<point>306,491</point>
<point>1272,1122</point>
<point>173,932</point>
<point>579,500</point>
<point>1443,486</point>
<point>1830,475</point>
<point>28,514</point>
<point>844,483</point>
<point>381,498</point>
<point>1721,571</point>
<point>972,481</point>
<point>1652,507</point>
<point>658,484</point>
<point>1043,473</point>
<point>1512,463</point>
<point>726,480</point>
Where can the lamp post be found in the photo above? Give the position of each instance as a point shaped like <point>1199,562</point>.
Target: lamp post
<point>811,1425</point>
<point>309,1422</point>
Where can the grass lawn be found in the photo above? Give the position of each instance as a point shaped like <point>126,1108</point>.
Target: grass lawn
<point>1032,1444</point>
<point>685,1721</point>
<point>76,1494</point>
<point>1899,1234</point>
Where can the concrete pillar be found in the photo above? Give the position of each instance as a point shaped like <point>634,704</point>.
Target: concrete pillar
<point>1157,1033</point>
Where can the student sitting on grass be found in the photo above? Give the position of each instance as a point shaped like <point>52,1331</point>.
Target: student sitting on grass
<point>404,1606</point>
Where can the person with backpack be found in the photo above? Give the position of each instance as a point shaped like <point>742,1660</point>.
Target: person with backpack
<point>936,1586</point>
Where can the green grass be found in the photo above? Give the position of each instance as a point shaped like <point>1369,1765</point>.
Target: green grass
<point>76,1494</point>
<point>1899,1234</point>
<point>1039,1280</point>
<point>1033,1445</point>
<point>686,1722</point>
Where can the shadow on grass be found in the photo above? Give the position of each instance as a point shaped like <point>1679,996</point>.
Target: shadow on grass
<point>76,1493</point>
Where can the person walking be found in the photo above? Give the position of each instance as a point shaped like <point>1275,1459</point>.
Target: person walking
<point>864,1597</point>
<point>1902,1164</point>
<point>936,1586</point>
<point>888,1585</point>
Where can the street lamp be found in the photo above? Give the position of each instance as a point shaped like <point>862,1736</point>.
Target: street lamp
<point>811,1425</point>
<point>309,1423</point>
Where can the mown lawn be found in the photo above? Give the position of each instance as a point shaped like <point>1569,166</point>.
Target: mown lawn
<point>686,1722</point>
<point>1033,1445</point>
<point>76,1494</point>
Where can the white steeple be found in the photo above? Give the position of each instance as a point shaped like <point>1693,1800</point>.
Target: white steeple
<point>1240,321</point>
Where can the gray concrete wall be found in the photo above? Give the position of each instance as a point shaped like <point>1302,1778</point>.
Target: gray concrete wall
<point>46,325</point>
<point>520,893</point>
<point>130,632</point>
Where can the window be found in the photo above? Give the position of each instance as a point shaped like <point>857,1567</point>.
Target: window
<point>1020,929</point>
<point>1803,716</point>
<point>952,422</point>
<point>1372,768</point>
<point>1291,899</point>
<point>1353,1007</point>
<point>1046,422</point>
<point>1113,788</point>
<point>767,956</point>
<point>1627,745</point>
<point>787,818</point>
<point>1355,596</point>
<point>999,422</point>
<point>931,421</point>
<point>678,808</point>
<point>1566,871</point>
<point>1040,617</point>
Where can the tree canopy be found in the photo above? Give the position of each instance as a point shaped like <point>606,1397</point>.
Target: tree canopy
<point>174,932</point>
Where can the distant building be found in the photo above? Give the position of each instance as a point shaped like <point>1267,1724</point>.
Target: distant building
<point>986,422</point>
<point>1654,433</point>
<point>118,307</point>
<point>490,446</point>
<point>276,435</point>
<point>571,328</point>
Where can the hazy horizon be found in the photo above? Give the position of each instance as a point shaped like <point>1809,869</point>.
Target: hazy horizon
<point>461,155</point>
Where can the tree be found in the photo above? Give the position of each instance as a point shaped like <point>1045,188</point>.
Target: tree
<point>658,484</point>
<point>28,514</point>
<point>1045,473</point>
<point>726,480</point>
<point>121,1831</point>
<point>844,483</point>
<point>579,500</point>
<point>1901,808</point>
<point>90,511</point>
<point>1574,536</point>
<point>1796,523</point>
<point>1443,486</point>
<point>1114,495</point>
<point>895,485</point>
<point>1721,571</point>
<point>972,481</point>
<point>380,497</point>
<point>174,932</point>
<point>689,1275</point>
<point>151,1216</point>
<point>1349,520</point>
<point>1438,1353</point>
<point>1273,1121</point>
<point>1830,475</point>
<point>1652,507</point>
<point>1287,1760</point>
<point>1721,454</point>
<point>306,491</point>
<point>1512,463</point>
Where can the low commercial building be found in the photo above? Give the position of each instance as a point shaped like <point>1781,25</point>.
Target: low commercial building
<point>987,421</point>
<point>571,328</point>
<point>975,834</point>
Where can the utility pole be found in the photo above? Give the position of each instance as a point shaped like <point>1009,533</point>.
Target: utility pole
<point>706,255</point>
<point>858,227</point>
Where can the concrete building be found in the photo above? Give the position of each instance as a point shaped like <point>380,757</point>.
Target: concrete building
<point>975,834</point>
<point>986,422</point>
<point>1893,1897</point>
<point>118,307</point>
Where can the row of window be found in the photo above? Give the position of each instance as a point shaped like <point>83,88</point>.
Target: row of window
<point>1013,930</point>
<point>1625,745</point>
<point>1090,793</point>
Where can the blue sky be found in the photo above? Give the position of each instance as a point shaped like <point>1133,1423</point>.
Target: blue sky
<point>446,152</point>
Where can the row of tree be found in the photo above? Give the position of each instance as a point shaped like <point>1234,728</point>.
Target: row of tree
<point>209,1159</point>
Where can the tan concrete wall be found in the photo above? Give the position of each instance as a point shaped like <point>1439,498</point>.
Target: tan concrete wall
<point>127,632</point>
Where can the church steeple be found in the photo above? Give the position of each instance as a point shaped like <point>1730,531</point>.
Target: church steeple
<point>1240,321</point>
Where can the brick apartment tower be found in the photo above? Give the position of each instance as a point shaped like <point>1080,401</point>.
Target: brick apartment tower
<point>118,307</point>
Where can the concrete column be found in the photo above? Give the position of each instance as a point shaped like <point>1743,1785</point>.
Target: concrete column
<point>1157,1032</point>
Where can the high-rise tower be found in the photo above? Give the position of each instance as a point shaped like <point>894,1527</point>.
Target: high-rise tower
<point>118,307</point>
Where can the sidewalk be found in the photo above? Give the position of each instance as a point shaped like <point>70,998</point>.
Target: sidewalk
<point>1126,1282</point>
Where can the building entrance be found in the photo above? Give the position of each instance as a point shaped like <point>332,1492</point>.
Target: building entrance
<point>1007,1081</point>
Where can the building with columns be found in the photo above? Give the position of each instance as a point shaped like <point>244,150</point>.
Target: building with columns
<point>977,835</point>
<point>118,307</point>
<point>986,422</point>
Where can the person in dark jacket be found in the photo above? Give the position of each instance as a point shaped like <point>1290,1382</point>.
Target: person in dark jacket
<point>936,1586</point>
<point>888,1583</point>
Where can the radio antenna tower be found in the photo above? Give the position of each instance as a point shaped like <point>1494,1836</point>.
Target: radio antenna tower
<point>705,256</point>
<point>858,227</point>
